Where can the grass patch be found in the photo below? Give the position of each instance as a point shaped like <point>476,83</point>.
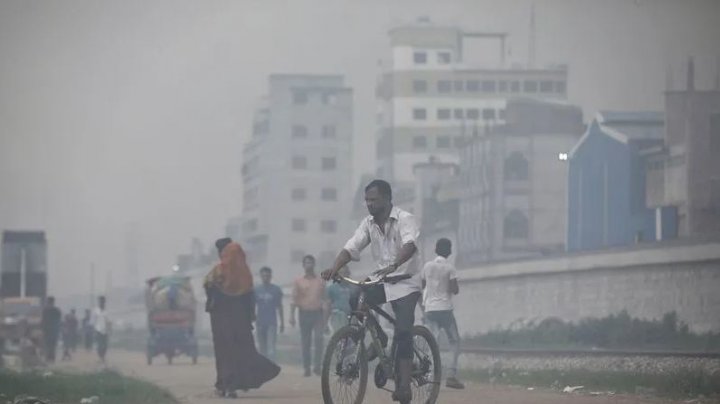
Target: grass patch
<point>617,331</point>
<point>680,384</point>
<point>111,387</point>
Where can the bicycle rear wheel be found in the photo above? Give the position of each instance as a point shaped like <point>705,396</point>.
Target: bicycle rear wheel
<point>427,369</point>
<point>345,369</point>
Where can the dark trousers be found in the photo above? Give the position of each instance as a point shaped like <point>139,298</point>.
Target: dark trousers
<point>311,325</point>
<point>102,344</point>
<point>404,309</point>
<point>51,341</point>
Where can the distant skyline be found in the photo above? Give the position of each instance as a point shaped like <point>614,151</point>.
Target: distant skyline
<point>113,113</point>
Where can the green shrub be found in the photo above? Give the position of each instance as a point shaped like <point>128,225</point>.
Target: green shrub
<point>616,331</point>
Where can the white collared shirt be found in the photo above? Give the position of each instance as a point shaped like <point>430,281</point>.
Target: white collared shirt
<point>437,275</point>
<point>100,320</point>
<point>400,229</point>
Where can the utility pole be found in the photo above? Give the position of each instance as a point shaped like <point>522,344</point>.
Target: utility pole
<point>92,284</point>
<point>531,41</point>
<point>23,271</point>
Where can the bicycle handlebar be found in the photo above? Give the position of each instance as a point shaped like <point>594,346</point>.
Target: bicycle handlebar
<point>388,279</point>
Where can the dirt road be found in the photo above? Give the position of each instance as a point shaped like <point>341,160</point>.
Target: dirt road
<point>193,384</point>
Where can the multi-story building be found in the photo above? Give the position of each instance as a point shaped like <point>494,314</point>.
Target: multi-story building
<point>513,181</point>
<point>297,173</point>
<point>684,173</point>
<point>437,87</point>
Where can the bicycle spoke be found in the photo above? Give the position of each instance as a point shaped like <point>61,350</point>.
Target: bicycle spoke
<point>423,380</point>
<point>344,372</point>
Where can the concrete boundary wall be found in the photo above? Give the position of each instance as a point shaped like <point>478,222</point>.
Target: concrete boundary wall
<point>647,282</point>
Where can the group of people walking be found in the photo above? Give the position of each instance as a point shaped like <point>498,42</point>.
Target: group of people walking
<point>93,330</point>
<point>392,233</point>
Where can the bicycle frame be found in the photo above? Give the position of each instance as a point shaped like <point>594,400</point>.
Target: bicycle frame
<point>367,322</point>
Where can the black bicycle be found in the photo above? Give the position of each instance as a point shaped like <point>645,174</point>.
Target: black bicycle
<point>345,365</point>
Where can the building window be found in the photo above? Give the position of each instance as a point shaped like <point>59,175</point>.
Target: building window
<point>515,225</point>
<point>501,114</point>
<point>546,86</point>
<point>299,194</point>
<point>299,131</point>
<point>458,141</point>
<point>329,98</point>
<point>419,142</point>
<point>328,194</point>
<point>299,162</point>
<point>444,58</point>
<point>514,86</point>
<point>472,113</point>
<point>458,86</point>
<point>297,255</point>
<point>329,163</point>
<point>299,97</point>
<point>459,113</point>
<point>472,86</point>
<point>420,58</point>
<point>329,132</point>
<point>419,114</point>
<point>299,225</point>
<point>443,114</point>
<point>530,86</point>
<point>503,86</point>
<point>328,226</point>
<point>420,86</point>
<point>488,114</point>
<point>715,132</point>
<point>560,87</point>
<point>444,86</point>
<point>516,167</point>
<point>250,225</point>
<point>443,142</point>
<point>488,86</point>
<point>326,259</point>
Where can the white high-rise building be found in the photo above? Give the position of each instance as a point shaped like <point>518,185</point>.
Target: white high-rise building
<point>297,173</point>
<point>440,85</point>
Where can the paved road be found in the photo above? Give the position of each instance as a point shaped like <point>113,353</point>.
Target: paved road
<point>193,384</point>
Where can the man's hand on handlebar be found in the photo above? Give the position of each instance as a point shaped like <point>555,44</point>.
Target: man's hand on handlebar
<point>385,271</point>
<point>329,274</point>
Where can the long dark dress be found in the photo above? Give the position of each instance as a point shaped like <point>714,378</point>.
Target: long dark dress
<point>239,365</point>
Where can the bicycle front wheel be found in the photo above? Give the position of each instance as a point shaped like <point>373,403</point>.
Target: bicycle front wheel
<point>427,369</point>
<point>345,369</point>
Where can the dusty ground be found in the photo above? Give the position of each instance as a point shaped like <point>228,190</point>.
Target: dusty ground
<point>193,384</point>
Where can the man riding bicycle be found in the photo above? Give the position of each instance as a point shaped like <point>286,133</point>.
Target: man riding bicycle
<point>392,234</point>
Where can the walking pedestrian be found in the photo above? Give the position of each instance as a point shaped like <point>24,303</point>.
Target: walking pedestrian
<point>229,288</point>
<point>87,330</point>
<point>269,308</point>
<point>308,298</point>
<point>440,282</point>
<point>101,326</point>
<point>69,334</point>
<point>51,317</point>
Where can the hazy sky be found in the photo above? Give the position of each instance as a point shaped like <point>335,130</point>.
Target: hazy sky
<point>136,111</point>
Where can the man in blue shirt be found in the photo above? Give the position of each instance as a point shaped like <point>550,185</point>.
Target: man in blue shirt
<point>339,296</point>
<point>268,301</point>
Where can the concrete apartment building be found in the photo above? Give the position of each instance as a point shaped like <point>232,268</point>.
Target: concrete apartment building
<point>513,178</point>
<point>684,173</point>
<point>440,84</point>
<point>297,173</point>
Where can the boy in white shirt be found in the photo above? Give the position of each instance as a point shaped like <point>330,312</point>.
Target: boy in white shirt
<point>439,280</point>
<point>101,324</point>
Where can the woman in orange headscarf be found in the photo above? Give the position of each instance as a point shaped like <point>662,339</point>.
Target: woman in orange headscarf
<point>231,305</point>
